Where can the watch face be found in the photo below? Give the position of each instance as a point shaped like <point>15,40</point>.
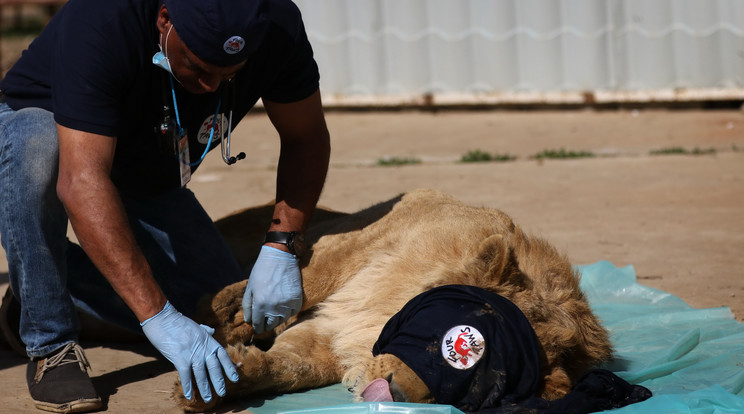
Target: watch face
<point>290,242</point>
<point>298,244</point>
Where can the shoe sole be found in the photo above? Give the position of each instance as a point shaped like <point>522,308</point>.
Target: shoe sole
<point>77,406</point>
<point>10,333</point>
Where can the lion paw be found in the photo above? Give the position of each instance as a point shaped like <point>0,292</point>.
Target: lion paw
<point>557,384</point>
<point>196,404</point>
<point>224,312</point>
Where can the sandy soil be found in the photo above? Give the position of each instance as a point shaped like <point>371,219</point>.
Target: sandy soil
<point>678,219</point>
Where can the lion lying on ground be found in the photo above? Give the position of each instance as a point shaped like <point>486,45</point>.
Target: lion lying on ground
<point>360,269</point>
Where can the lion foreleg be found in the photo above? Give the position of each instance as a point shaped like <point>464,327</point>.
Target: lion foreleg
<point>223,311</point>
<point>300,359</point>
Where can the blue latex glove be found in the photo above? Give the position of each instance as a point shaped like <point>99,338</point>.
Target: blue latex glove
<point>190,347</point>
<point>274,290</point>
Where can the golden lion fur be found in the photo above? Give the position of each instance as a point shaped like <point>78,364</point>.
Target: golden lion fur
<point>359,269</point>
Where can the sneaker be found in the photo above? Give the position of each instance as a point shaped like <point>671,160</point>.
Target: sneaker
<point>10,322</point>
<point>60,383</point>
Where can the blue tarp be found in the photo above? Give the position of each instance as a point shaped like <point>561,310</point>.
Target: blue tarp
<point>691,359</point>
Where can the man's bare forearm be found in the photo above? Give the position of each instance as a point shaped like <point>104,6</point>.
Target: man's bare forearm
<point>303,161</point>
<point>100,223</point>
<point>103,231</point>
<point>300,178</point>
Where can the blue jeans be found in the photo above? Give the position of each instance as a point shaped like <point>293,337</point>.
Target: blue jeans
<point>54,279</point>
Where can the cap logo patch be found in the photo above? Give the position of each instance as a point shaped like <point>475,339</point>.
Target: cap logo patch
<point>463,346</point>
<point>234,45</point>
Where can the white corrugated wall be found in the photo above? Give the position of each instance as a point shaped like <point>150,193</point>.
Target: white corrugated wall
<point>470,51</point>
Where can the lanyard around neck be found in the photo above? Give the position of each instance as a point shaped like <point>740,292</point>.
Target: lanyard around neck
<point>214,123</point>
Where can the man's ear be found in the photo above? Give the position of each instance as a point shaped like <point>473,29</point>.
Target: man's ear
<point>163,21</point>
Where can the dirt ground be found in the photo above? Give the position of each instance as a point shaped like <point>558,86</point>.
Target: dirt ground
<point>678,219</point>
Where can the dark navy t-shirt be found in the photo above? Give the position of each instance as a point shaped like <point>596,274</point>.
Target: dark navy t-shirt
<point>92,66</point>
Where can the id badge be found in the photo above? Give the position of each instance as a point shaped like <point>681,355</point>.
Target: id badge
<point>184,160</point>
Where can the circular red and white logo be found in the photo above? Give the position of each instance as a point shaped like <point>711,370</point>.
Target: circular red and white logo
<point>234,45</point>
<point>463,346</point>
<point>205,130</point>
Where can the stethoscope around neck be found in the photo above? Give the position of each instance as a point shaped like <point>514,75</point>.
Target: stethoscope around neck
<point>224,138</point>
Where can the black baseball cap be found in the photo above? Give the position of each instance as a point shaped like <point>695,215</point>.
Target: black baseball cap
<point>220,32</point>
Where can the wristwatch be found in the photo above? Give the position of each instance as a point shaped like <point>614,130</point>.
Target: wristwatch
<point>292,239</point>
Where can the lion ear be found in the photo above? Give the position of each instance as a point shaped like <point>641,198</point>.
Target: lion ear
<point>497,261</point>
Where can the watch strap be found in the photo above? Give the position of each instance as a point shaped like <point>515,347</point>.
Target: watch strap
<point>286,238</point>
